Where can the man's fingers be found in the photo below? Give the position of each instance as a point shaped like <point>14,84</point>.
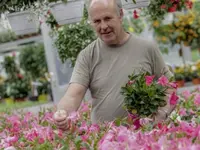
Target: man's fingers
<point>61,123</point>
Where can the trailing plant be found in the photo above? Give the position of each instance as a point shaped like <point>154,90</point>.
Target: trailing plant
<point>73,38</point>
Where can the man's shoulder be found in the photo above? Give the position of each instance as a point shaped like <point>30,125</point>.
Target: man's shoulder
<point>144,42</point>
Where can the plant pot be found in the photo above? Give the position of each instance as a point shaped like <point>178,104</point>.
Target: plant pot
<point>9,101</point>
<point>23,23</point>
<point>196,81</point>
<point>66,13</point>
<point>33,98</point>
<point>180,83</point>
<point>130,5</point>
<point>20,99</point>
<point>43,98</point>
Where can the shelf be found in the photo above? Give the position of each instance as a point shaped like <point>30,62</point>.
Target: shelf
<point>14,45</point>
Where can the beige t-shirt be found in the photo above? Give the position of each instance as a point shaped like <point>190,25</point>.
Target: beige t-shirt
<point>104,70</point>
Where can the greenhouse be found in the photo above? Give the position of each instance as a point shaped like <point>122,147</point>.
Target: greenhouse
<point>99,75</point>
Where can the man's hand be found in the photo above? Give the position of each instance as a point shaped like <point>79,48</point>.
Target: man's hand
<point>60,118</point>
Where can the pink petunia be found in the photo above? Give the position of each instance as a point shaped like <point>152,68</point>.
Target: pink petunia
<point>149,79</point>
<point>163,80</point>
<point>173,99</point>
<point>197,99</point>
<point>173,85</point>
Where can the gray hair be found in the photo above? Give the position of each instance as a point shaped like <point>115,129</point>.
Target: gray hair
<point>118,3</point>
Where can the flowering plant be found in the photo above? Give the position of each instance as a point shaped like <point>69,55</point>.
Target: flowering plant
<point>158,8</point>
<point>143,95</point>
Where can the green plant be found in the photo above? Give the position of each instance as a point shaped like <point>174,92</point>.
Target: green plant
<point>33,61</point>
<point>179,76</point>
<point>157,9</point>
<point>10,66</point>
<point>73,38</point>
<point>16,5</point>
<point>19,87</point>
<point>44,87</point>
<point>7,36</point>
<point>143,95</point>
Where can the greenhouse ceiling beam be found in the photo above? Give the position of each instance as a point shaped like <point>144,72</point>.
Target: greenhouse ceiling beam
<point>12,46</point>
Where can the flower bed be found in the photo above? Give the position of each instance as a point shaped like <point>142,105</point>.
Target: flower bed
<point>29,131</point>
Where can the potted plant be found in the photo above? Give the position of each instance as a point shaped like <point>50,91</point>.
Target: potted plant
<point>43,90</point>
<point>195,77</point>
<point>180,79</point>
<point>33,62</point>
<point>21,20</point>
<point>67,12</point>
<point>78,35</point>
<point>19,88</point>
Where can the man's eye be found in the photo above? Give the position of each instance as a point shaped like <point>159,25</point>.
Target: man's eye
<point>107,18</point>
<point>97,21</point>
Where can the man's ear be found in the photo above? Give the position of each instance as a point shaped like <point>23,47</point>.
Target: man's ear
<point>121,14</point>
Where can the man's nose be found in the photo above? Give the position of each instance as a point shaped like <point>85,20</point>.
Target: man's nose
<point>104,25</point>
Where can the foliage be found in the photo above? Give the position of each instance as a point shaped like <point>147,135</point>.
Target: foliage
<point>73,38</point>
<point>19,87</point>
<point>10,66</point>
<point>33,61</point>
<point>143,95</point>
<point>7,36</point>
<point>157,9</point>
<point>16,5</point>
<point>184,29</point>
<point>44,87</point>
<point>133,25</point>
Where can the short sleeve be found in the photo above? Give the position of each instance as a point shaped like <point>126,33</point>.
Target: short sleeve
<point>159,66</point>
<point>80,73</point>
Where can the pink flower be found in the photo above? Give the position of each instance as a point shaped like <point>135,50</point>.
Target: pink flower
<point>163,80</point>
<point>197,99</point>
<point>173,99</point>
<point>74,116</point>
<point>149,79</point>
<point>182,112</point>
<point>130,82</point>
<point>163,6</point>
<point>173,85</point>
<point>186,94</point>
<point>145,121</point>
<point>10,148</point>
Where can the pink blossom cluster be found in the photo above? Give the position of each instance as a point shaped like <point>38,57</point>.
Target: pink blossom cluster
<point>30,131</point>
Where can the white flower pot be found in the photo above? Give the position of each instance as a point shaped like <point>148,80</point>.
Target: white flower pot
<point>23,23</point>
<point>130,5</point>
<point>66,13</point>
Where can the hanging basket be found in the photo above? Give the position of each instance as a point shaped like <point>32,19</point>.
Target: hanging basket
<point>66,13</point>
<point>23,23</point>
<point>129,4</point>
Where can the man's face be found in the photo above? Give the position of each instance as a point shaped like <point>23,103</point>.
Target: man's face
<point>106,22</point>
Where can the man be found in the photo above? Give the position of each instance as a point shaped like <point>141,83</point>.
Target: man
<point>105,64</point>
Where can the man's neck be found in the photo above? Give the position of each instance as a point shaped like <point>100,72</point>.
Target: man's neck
<point>124,37</point>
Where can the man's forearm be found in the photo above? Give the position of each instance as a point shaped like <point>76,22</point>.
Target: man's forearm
<point>68,104</point>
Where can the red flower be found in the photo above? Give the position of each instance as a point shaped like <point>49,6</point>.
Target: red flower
<point>135,14</point>
<point>20,76</point>
<point>173,8</point>
<point>189,4</point>
<point>48,12</point>
<point>163,6</point>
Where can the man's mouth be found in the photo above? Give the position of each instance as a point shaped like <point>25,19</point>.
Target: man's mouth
<point>107,33</point>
